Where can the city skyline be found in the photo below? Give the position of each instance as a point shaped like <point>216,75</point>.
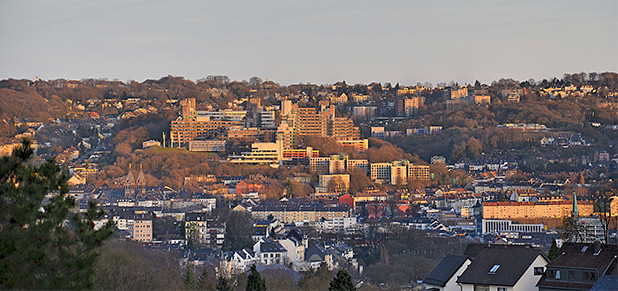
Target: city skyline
<point>322,42</point>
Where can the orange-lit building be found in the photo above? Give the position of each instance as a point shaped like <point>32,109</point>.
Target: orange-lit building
<point>142,229</point>
<point>248,186</point>
<point>530,210</point>
<point>300,154</point>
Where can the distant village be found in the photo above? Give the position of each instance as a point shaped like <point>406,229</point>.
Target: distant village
<point>492,205</point>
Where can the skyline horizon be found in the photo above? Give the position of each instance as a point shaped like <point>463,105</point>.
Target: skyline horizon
<point>319,42</point>
<point>393,83</point>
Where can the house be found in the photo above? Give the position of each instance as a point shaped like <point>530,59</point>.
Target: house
<point>195,227</point>
<point>76,179</point>
<point>295,244</point>
<point>270,252</point>
<point>316,255</point>
<point>259,232</point>
<point>445,274</point>
<point>240,261</point>
<point>215,233</point>
<point>578,266</point>
<point>502,268</point>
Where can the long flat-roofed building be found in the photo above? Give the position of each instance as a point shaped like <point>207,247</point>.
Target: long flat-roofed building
<point>528,210</point>
<point>289,213</point>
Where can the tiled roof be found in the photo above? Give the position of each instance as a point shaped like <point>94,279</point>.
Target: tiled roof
<point>512,262</point>
<point>445,270</point>
<point>271,246</point>
<point>571,255</point>
<point>606,283</point>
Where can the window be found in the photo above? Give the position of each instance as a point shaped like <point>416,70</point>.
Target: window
<point>571,275</point>
<point>501,289</point>
<point>538,271</point>
<point>589,276</point>
<point>494,269</point>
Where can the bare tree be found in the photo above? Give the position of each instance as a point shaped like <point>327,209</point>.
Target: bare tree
<point>604,199</point>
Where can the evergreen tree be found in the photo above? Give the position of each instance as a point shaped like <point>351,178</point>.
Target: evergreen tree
<point>204,282</point>
<point>223,284</point>
<point>188,279</point>
<point>305,281</point>
<point>322,272</point>
<point>342,282</point>
<point>255,282</point>
<point>553,250</point>
<point>43,245</point>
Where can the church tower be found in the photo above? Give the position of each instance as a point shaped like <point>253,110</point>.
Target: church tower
<point>575,212</point>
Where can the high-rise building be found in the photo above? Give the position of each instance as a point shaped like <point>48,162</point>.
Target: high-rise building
<point>418,172</point>
<point>399,172</point>
<point>408,106</point>
<point>381,172</point>
<point>337,164</point>
<point>188,107</point>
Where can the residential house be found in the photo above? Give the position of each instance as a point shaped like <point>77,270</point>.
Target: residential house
<point>295,245</point>
<point>578,266</point>
<point>502,268</point>
<point>316,255</point>
<point>445,274</point>
<point>270,252</point>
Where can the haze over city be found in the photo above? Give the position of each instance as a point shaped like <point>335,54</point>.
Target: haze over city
<point>313,41</point>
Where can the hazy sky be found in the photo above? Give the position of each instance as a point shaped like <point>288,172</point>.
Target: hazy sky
<point>308,41</point>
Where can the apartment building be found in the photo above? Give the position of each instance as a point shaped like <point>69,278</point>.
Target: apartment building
<point>418,172</point>
<point>312,122</point>
<point>319,165</point>
<point>343,129</point>
<point>142,229</point>
<point>357,164</point>
<point>287,213</point>
<point>360,145</point>
<point>337,164</point>
<point>261,153</point>
<point>364,112</point>
<point>207,145</point>
<point>408,106</point>
<point>184,130</point>
<point>456,93</point>
<point>526,210</point>
<point>399,172</point>
<point>380,172</point>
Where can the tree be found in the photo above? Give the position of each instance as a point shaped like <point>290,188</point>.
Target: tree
<point>255,282</point>
<point>188,279</point>
<point>342,282</point>
<point>255,82</point>
<point>337,185</point>
<point>121,262</point>
<point>604,199</point>
<point>239,229</point>
<point>43,244</point>
<point>571,229</point>
<point>553,250</point>
<point>204,282</point>
<point>223,284</point>
<point>316,281</point>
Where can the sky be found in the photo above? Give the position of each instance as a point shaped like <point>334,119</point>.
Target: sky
<point>314,41</point>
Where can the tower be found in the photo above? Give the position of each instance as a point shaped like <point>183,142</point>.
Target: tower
<point>575,212</point>
<point>140,184</point>
<point>129,181</point>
